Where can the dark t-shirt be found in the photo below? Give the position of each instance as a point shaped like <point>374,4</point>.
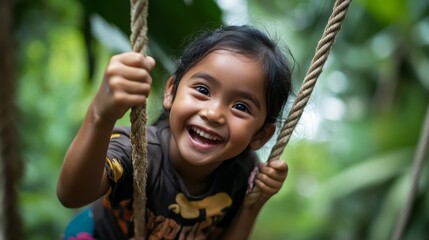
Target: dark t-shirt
<point>172,212</point>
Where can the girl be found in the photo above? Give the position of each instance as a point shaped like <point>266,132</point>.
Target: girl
<point>221,105</point>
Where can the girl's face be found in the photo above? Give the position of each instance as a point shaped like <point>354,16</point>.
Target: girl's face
<point>219,109</point>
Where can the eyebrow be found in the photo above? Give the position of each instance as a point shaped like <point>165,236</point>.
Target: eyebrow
<point>241,94</point>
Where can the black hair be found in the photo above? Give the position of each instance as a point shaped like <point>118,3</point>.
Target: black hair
<point>250,42</point>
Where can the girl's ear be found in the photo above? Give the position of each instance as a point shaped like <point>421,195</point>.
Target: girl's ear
<point>168,94</point>
<point>262,136</point>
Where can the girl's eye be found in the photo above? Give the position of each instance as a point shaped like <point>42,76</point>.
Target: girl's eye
<point>203,90</point>
<point>241,107</point>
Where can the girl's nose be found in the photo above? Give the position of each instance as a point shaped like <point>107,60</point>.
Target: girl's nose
<point>213,114</point>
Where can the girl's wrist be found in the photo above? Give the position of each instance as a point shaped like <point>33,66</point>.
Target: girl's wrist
<point>99,121</point>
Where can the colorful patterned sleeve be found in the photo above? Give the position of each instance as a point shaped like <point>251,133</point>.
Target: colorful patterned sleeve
<point>119,166</point>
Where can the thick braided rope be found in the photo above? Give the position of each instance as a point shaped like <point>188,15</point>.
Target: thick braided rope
<point>417,170</point>
<point>321,55</point>
<point>138,118</point>
<point>322,51</point>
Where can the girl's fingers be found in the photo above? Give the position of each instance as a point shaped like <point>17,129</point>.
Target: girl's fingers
<point>127,72</point>
<point>125,100</point>
<point>269,182</point>
<point>275,169</point>
<point>271,177</point>
<point>267,190</point>
<point>151,62</point>
<point>126,84</point>
<point>278,165</point>
<point>119,84</point>
<point>122,94</point>
<point>134,59</point>
<point>136,88</point>
<point>123,89</point>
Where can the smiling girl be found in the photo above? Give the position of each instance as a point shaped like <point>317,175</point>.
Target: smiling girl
<point>221,104</point>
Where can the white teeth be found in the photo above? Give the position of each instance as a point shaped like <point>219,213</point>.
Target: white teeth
<point>205,135</point>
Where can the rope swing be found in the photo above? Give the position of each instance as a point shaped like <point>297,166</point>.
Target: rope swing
<point>138,118</point>
<point>321,55</point>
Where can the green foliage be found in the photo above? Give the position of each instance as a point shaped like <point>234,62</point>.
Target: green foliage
<point>358,183</point>
<point>350,156</point>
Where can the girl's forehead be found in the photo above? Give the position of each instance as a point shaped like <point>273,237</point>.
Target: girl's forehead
<point>230,69</point>
<point>231,59</point>
<point>236,53</point>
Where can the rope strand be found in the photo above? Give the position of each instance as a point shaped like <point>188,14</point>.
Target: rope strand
<point>138,119</point>
<point>321,55</point>
<point>322,51</point>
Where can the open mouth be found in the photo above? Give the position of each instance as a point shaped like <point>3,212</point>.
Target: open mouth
<point>204,137</point>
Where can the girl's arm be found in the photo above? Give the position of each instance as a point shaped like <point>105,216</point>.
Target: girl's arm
<point>269,180</point>
<point>126,83</point>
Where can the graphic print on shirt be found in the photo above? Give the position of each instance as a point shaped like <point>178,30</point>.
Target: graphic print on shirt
<point>211,209</point>
<point>210,206</point>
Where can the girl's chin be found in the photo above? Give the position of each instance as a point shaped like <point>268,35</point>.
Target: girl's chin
<point>199,160</point>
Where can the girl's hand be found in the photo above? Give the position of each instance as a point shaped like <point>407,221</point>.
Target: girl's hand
<point>268,182</point>
<point>126,83</point>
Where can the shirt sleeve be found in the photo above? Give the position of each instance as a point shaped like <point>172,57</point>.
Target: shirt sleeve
<point>119,166</point>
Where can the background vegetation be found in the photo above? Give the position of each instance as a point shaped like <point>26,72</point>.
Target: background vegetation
<point>350,156</point>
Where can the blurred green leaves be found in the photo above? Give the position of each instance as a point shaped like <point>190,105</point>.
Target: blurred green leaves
<point>348,178</point>
<point>349,173</point>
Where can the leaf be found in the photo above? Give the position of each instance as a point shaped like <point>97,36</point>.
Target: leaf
<point>368,173</point>
<point>109,35</point>
<point>388,12</point>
